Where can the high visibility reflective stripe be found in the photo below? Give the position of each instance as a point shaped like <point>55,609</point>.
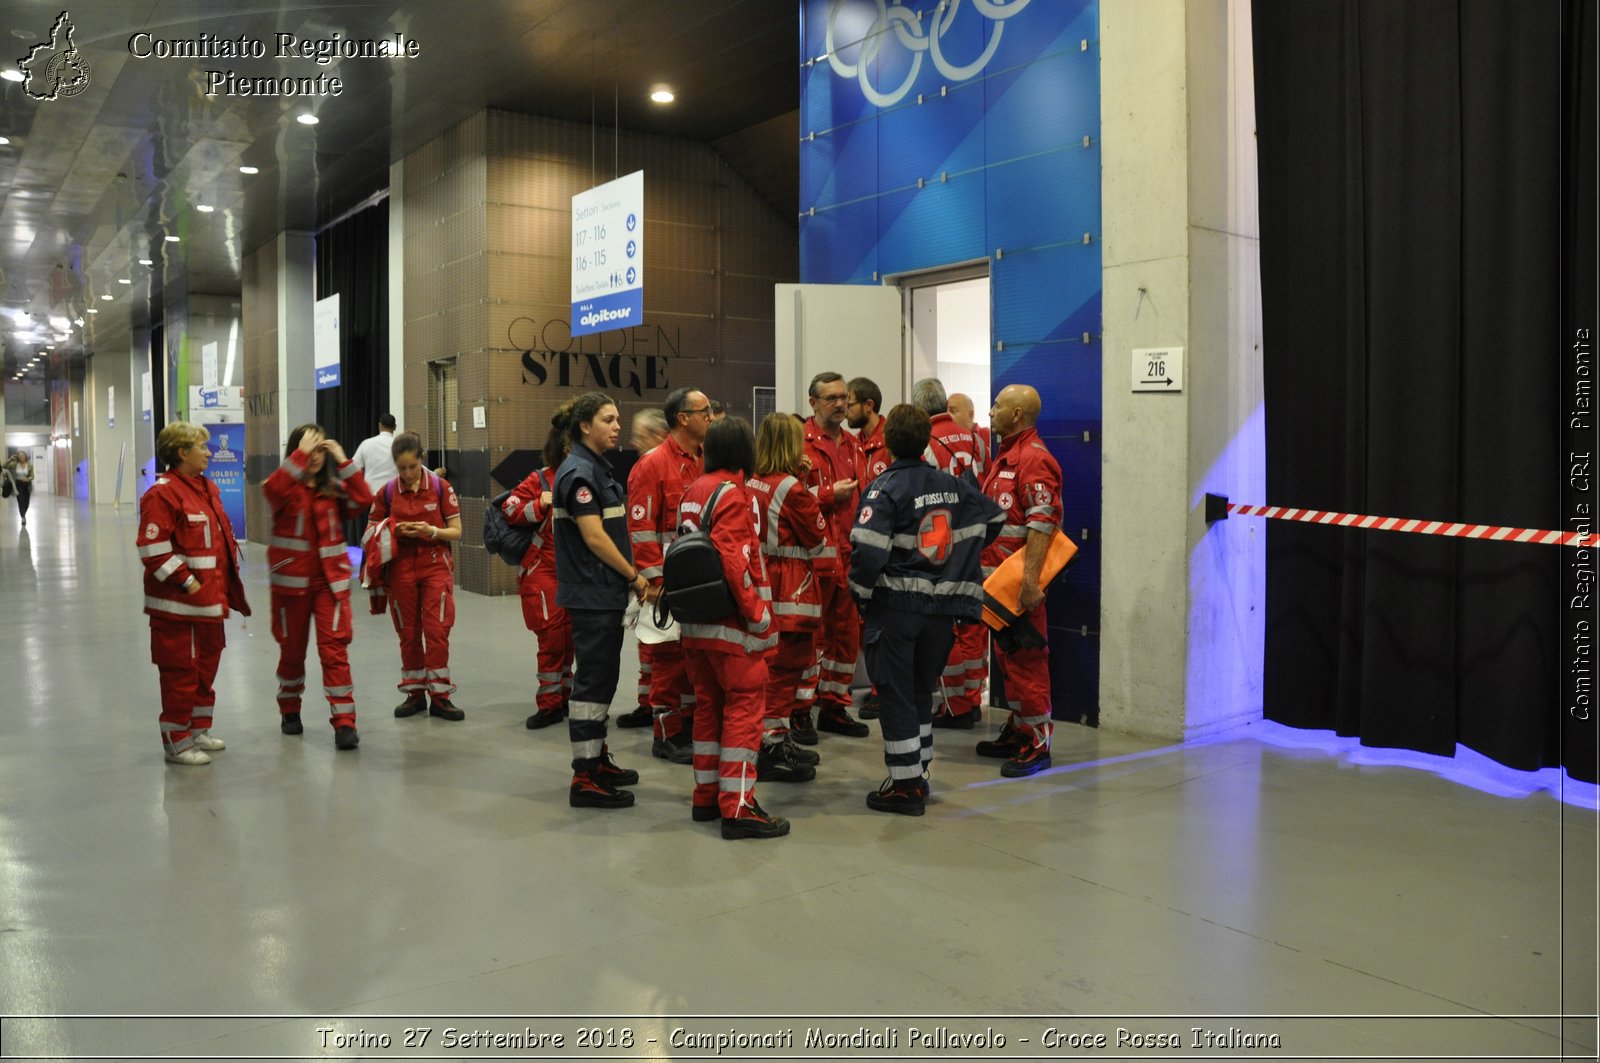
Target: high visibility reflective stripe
<point>339,585</point>
<point>196,562</point>
<point>300,523</point>
<point>278,579</point>
<point>292,469</point>
<point>901,772</point>
<point>826,553</point>
<point>156,549</point>
<point>333,551</point>
<point>1013,531</point>
<point>903,745</point>
<point>919,585</point>
<point>285,542</point>
<point>1040,511</point>
<point>613,511</point>
<point>348,470</point>
<point>765,593</point>
<point>651,572</point>
<point>587,710</point>
<point>706,749</point>
<point>338,692</point>
<point>775,512</point>
<point>161,605</point>
<point>796,609</point>
<point>169,566</point>
<point>868,537</point>
<point>548,677</point>
<point>737,755</point>
<point>588,749</point>
<point>706,777</point>
<point>799,553</point>
<point>910,540</point>
<point>644,537</point>
<point>719,633</point>
<point>337,612</point>
<point>735,786</point>
<point>828,686</point>
<point>1044,527</point>
<point>859,591</point>
<point>413,674</point>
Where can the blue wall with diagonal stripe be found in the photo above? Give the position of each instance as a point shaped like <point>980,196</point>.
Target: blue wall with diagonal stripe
<point>933,134</point>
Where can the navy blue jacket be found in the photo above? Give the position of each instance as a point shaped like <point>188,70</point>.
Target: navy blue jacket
<point>917,541</point>
<point>585,486</point>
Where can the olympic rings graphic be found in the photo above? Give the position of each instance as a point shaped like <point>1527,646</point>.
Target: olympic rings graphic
<point>907,27</point>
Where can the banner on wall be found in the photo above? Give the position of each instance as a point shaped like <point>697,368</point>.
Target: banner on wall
<point>326,356</point>
<point>227,470</point>
<point>608,256</point>
<point>146,396</point>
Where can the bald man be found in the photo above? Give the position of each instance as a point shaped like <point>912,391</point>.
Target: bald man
<point>965,414</point>
<point>1026,483</point>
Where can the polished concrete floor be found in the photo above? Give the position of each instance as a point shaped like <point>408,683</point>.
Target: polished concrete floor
<point>439,872</point>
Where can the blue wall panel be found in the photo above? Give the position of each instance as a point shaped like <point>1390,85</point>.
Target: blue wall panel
<point>996,99</point>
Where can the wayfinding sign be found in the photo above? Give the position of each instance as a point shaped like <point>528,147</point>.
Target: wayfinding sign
<point>608,255</point>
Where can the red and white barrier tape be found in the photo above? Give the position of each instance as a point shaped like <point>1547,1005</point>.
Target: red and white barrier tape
<point>1219,508</point>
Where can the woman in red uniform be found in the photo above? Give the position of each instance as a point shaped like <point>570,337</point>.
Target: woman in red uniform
<point>309,573</point>
<point>727,658</point>
<point>792,530</point>
<point>532,504</point>
<point>421,578</point>
<point>191,578</point>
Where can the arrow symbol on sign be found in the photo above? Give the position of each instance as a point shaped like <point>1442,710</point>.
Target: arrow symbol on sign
<point>1167,382</point>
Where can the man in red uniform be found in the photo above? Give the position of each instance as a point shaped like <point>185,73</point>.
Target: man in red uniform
<point>862,415</point>
<point>1026,482</point>
<point>964,414</point>
<point>954,449</point>
<point>655,486</point>
<point>836,469</point>
<point>649,429</point>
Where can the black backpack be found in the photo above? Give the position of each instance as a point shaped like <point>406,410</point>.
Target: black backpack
<point>694,588</point>
<point>509,541</point>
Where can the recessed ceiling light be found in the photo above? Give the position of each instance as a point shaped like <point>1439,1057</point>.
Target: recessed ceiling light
<point>204,208</point>
<point>5,140</point>
<point>172,239</point>
<point>307,119</point>
<point>91,310</point>
<point>13,74</point>
<point>662,94</point>
<point>124,280</point>
<point>249,169</point>
<point>146,262</point>
<point>107,298</point>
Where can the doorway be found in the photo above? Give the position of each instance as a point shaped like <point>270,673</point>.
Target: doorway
<point>947,312</point>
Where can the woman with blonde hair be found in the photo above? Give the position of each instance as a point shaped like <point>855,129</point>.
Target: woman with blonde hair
<point>191,580</point>
<point>791,529</point>
<point>309,573</point>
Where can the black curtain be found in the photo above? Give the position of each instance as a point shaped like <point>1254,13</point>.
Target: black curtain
<point>353,261</point>
<point>1412,208</point>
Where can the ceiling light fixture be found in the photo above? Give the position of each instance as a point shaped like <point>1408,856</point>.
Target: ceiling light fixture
<point>106,298</point>
<point>307,119</point>
<point>5,140</point>
<point>661,94</point>
<point>91,310</point>
<point>172,239</point>
<point>13,74</point>
<point>146,262</point>
<point>249,169</point>
<point>204,208</point>
<point>124,280</point>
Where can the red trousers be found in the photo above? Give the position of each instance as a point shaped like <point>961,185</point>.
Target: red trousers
<point>553,628</point>
<point>672,693</point>
<point>186,655</point>
<point>646,670</point>
<point>1027,680</point>
<point>422,604</point>
<point>837,645</point>
<point>791,681</point>
<point>292,617</point>
<point>730,697</point>
<point>966,669</point>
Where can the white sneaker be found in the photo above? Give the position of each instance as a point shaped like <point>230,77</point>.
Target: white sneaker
<point>189,756</point>
<point>209,742</point>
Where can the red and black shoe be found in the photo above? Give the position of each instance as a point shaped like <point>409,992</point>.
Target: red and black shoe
<point>1005,745</point>
<point>961,721</point>
<point>643,716</point>
<point>445,710</point>
<point>907,797</point>
<point>705,813</point>
<point>607,770</point>
<point>801,728</point>
<point>1027,761</point>
<point>870,706</point>
<point>590,790</point>
<point>836,719</point>
<point>413,704</point>
<point>546,717</point>
<point>754,822</point>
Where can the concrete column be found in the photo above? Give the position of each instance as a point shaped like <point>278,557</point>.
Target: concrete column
<point>1182,606</point>
<point>297,385</point>
<point>112,402</point>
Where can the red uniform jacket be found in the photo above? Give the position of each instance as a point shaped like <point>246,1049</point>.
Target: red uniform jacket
<point>655,486</point>
<point>750,630</point>
<point>832,461</point>
<point>538,574</point>
<point>184,532</point>
<point>875,456</point>
<point>793,536</point>
<point>308,527</point>
<point>1026,482</point>
<point>955,449</point>
<point>434,502</point>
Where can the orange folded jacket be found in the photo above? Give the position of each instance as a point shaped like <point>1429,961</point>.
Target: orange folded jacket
<point>1002,592</point>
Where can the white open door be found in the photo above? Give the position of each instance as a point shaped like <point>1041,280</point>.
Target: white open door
<point>852,329</point>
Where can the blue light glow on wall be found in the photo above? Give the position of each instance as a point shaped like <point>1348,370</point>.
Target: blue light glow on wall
<point>940,133</point>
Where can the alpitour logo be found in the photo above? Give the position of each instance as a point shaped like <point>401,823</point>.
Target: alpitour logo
<point>55,69</point>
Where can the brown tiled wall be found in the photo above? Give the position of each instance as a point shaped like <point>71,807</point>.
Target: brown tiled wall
<point>259,302</point>
<point>487,241</point>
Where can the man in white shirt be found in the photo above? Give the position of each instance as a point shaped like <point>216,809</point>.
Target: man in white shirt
<point>375,458</point>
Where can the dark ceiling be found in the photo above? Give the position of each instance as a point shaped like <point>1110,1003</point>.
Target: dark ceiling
<point>92,183</point>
